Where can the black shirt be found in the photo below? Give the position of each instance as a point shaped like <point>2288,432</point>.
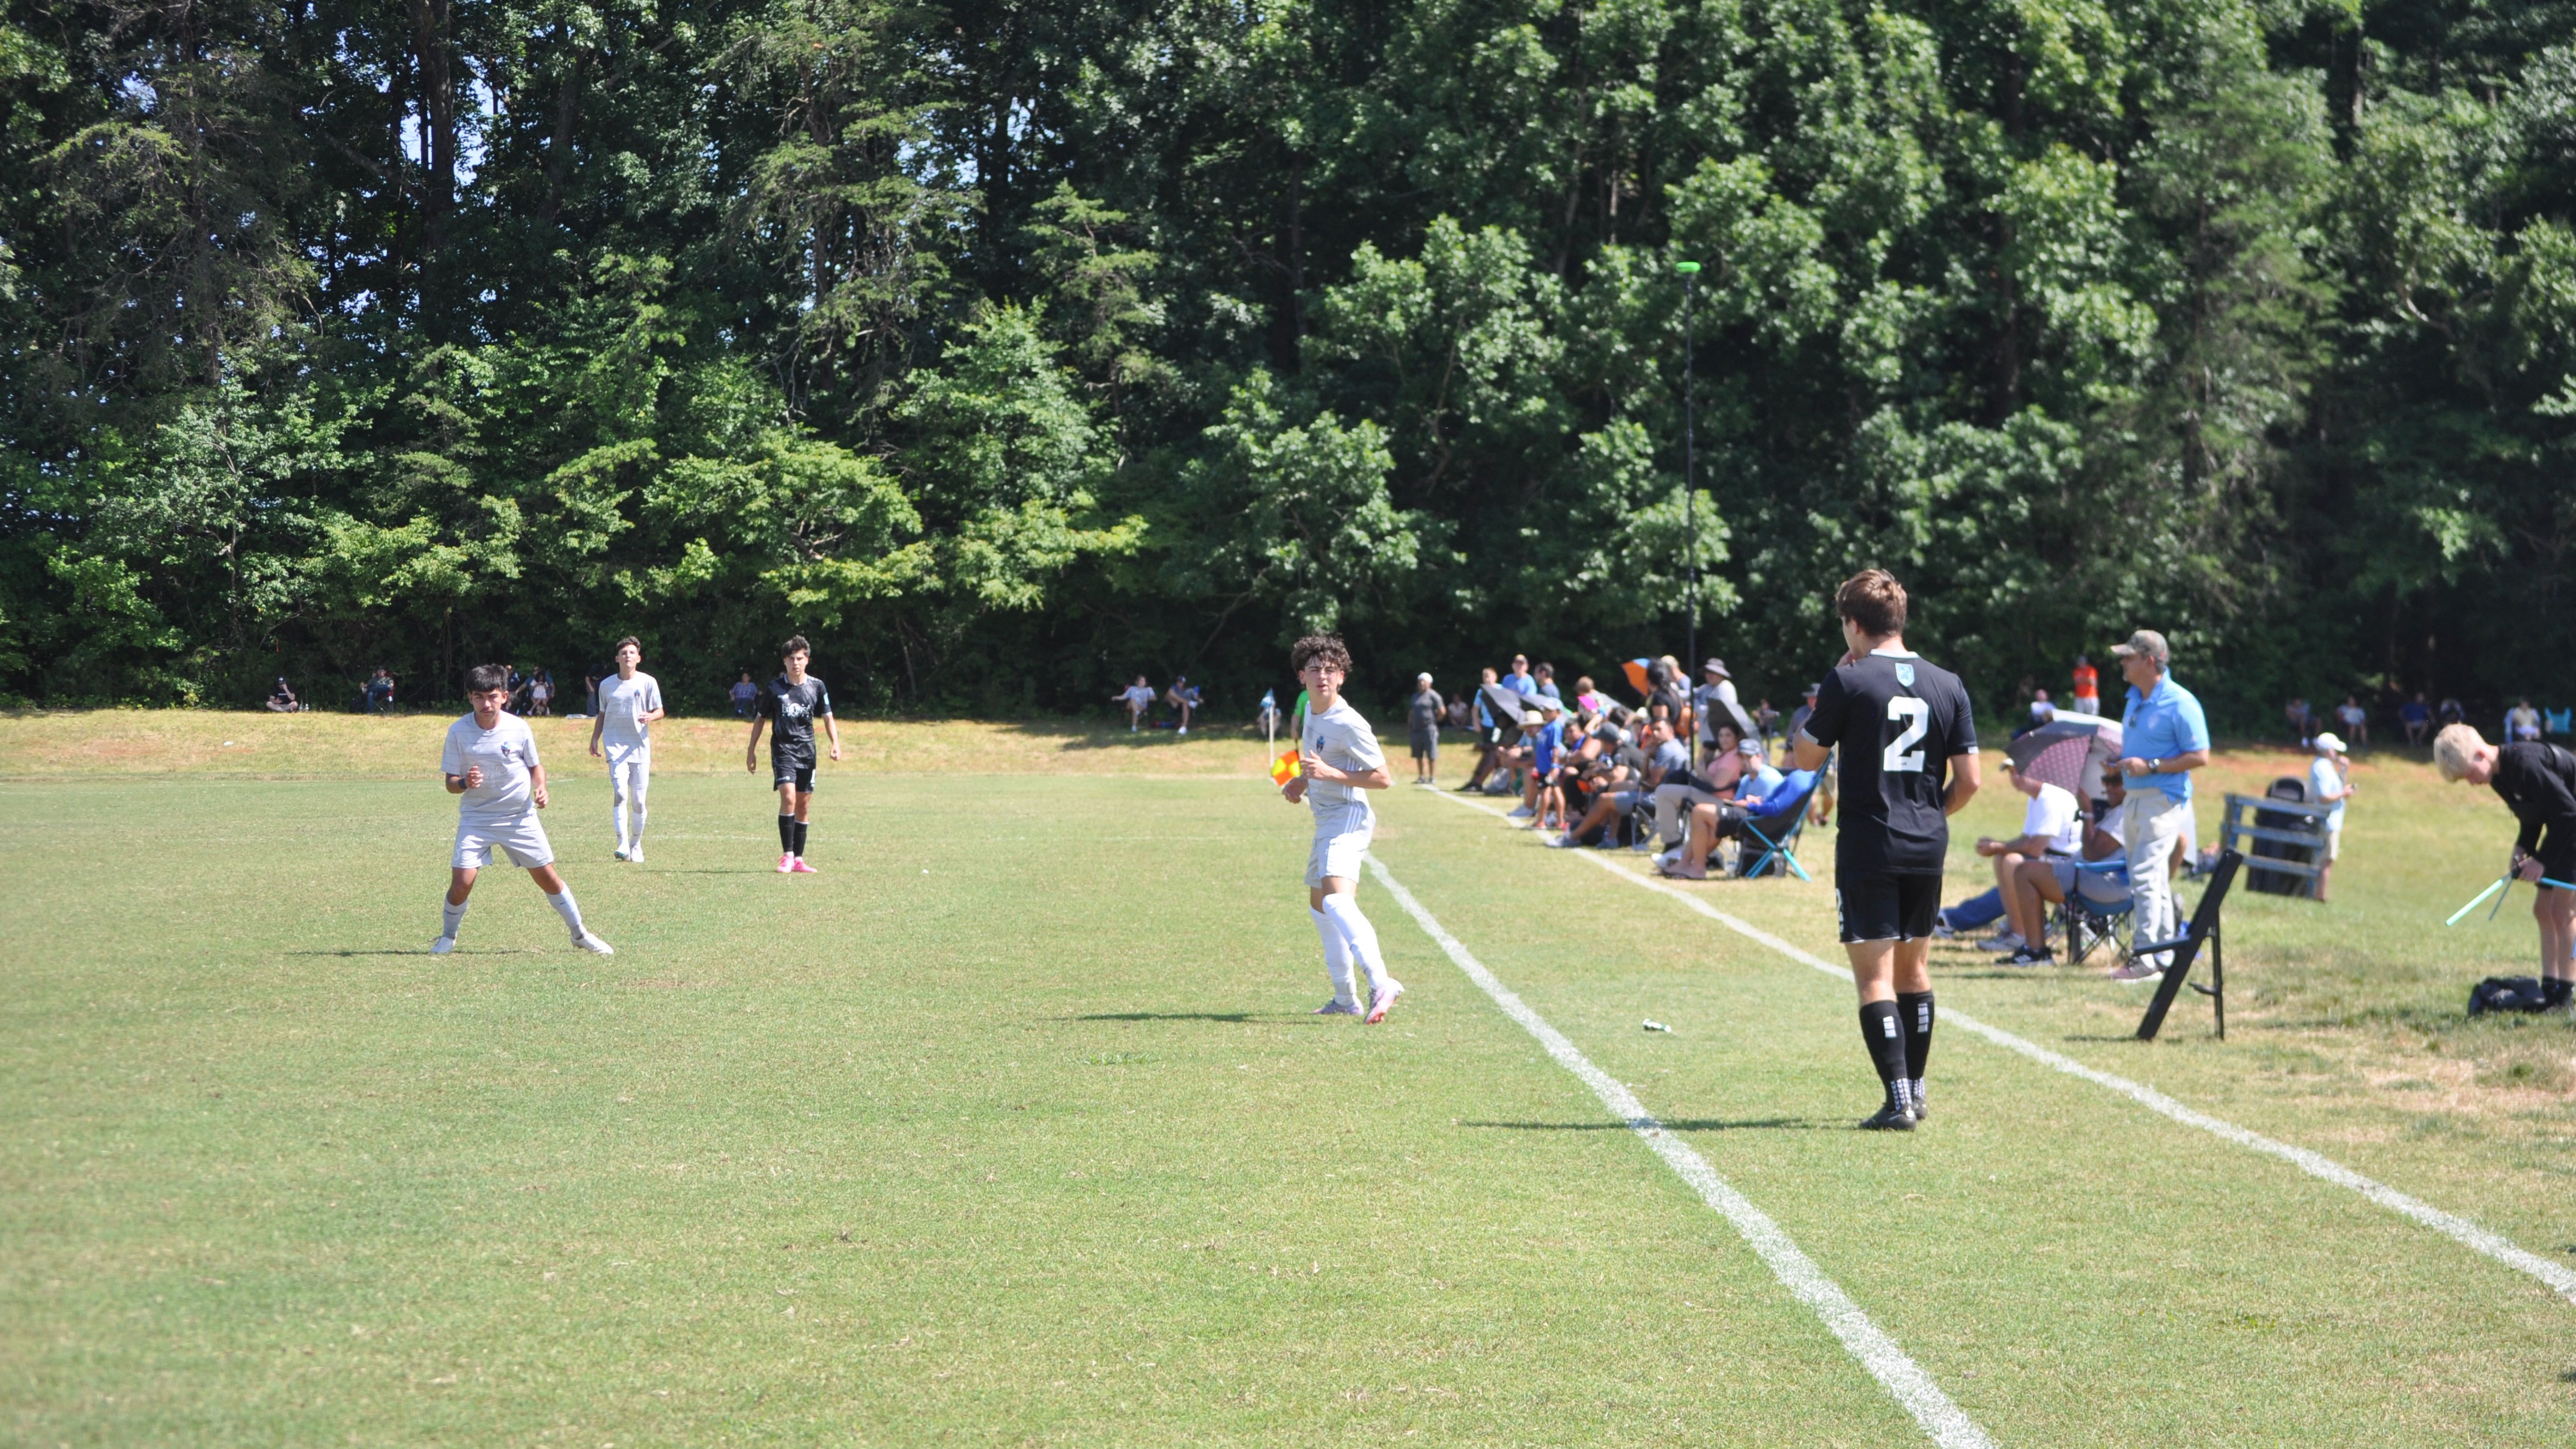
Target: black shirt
<point>2538,783</point>
<point>790,709</point>
<point>1899,720</point>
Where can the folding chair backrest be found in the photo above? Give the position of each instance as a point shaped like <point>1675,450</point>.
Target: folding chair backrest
<point>2556,721</point>
<point>1777,841</point>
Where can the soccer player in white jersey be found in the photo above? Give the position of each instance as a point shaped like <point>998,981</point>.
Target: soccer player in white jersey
<point>1338,757</point>
<point>491,761</point>
<point>628,705</point>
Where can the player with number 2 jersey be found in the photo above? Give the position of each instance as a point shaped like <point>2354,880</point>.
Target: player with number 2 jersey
<point>1909,760</point>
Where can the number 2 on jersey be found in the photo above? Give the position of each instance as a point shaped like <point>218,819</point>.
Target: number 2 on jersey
<point>1917,716</point>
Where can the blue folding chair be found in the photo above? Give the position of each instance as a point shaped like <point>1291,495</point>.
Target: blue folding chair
<point>1785,848</point>
<point>2084,923</point>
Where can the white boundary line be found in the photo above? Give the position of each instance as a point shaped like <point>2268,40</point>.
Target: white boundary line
<point>1945,1421</point>
<point>2495,1245</point>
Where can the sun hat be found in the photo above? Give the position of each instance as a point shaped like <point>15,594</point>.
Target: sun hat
<point>2329,740</point>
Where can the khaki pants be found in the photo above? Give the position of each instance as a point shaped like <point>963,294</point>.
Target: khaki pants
<point>1673,804</point>
<point>2152,821</point>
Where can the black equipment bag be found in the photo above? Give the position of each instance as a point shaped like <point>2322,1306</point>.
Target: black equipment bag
<point>2505,993</point>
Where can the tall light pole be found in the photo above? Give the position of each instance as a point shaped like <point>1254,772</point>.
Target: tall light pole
<point>1690,463</point>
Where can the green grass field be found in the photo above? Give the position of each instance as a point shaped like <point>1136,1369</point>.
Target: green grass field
<point>1012,1127</point>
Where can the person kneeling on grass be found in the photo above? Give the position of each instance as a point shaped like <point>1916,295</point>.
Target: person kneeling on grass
<point>2538,784</point>
<point>1338,758</point>
<point>491,762</point>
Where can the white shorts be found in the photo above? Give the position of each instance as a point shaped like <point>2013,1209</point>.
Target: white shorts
<point>2334,844</point>
<point>521,841</point>
<point>1341,838</point>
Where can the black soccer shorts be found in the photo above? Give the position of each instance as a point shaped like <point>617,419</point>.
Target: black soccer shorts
<point>788,772</point>
<point>1887,907</point>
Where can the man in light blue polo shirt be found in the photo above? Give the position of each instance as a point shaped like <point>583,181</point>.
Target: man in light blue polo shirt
<point>2164,738</point>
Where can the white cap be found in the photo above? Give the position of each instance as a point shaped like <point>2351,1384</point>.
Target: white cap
<point>2327,740</point>
<point>1422,678</point>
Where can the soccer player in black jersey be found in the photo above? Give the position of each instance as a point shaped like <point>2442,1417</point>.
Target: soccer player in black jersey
<point>1909,762</point>
<point>792,702</point>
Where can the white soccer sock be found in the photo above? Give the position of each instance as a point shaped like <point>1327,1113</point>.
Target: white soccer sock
<point>1337,956</point>
<point>617,816</point>
<point>562,902</point>
<point>1362,939</point>
<point>451,917</point>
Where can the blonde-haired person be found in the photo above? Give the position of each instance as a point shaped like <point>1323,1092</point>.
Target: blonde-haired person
<point>2538,784</point>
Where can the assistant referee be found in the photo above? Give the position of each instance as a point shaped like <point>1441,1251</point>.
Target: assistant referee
<point>1909,762</point>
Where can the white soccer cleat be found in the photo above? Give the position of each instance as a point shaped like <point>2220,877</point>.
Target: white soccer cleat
<point>620,852</point>
<point>442,945</point>
<point>1338,1007</point>
<point>1384,999</point>
<point>635,854</point>
<point>594,945</point>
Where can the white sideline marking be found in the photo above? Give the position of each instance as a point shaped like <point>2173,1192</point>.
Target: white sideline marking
<point>2451,1225</point>
<point>1946,1422</point>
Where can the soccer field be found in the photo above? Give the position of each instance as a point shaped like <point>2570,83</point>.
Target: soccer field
<point>1012,1127</point>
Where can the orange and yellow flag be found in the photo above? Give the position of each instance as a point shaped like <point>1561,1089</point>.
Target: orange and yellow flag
<point>1285,768</point>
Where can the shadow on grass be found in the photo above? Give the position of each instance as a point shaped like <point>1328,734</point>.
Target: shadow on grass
<point>1687,1124</point>
<point>1077,735</point>
<point>1232,1016</point>
<point>352,951</point>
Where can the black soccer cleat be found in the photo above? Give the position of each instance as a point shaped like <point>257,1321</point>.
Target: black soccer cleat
<point>1890,1118</point>
<point>1920,1101</point>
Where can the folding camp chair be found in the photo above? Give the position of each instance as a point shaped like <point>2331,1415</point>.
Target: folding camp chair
<point>1783,850</point>
<point>2084,923</point>
<point>2555,721</point>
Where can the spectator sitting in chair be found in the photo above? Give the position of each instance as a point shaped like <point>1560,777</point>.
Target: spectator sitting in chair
<point>2354,719</point>
<point>1765,803</point>
<point>1138,697</point>
<point>743,693</point>
<point>380,691</point>
<point>1183,696</point>
<point>2521,723</point>
<point>2038,884</point>
<point>281,700</point>
<point>1683,791</point>
<point>2052,828</point>
<point>2417,717</point>
<point>2330,783</point>
<point>1663,756</point>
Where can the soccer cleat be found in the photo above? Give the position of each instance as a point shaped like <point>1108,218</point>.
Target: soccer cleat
<point>1890,1118</point>
<point>786,863</point>
<point>2003,941</point>
<point>442,945</point>
<point>2028,957</point>
<point>1384,999</point>
<point>801,868</point>
<point>594,945</point>
<point>1338,1007</point>
<point>1922,1104</point>
<point>619,852</point>
<point>635,854</point>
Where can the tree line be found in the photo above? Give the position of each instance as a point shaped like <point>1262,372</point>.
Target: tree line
<point>1008,349</point>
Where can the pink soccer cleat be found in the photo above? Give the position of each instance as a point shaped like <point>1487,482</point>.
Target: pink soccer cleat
<point>786,863</point>
<point>800,867</point>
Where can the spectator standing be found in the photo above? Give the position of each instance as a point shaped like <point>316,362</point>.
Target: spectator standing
<point>2354,719</point>
<point>1545,674</point>
<point>1138,697</point>
<point>1489,736</point>
<point>2521,723</point>
<point>1798,716</point>
<point>1713,702</point>
<point>1766,724</point>
<point>590,695</point>
<point>1544,745</point>
<point>2417,717</point>
<point>2330,783</point>
<point>1520,678</point>
<point>1422,723</point>
<point>2088,687</point>
<point>2167,737</point>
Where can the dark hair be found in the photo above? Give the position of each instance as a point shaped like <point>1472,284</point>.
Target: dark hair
<point>483,678</point>
<point>1320,648</point>
<point>1544,671</point>
<point>1874,601</point>
<point>620,645</point>
<point>795,645</point>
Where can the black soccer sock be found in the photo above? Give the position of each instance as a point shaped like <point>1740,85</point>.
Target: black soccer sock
<point>799,846</point>
<point>1885,1037</point>
<point>1914,1013</point>
<point>787,833</point>
<point>2555,991</point>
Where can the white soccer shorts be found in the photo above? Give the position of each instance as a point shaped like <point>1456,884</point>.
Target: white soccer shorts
<point>1342,835</point>
<point>630,771</point>
<point>522,842</point>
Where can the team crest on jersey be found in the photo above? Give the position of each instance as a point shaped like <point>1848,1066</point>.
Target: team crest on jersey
<point>1905,675</point>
